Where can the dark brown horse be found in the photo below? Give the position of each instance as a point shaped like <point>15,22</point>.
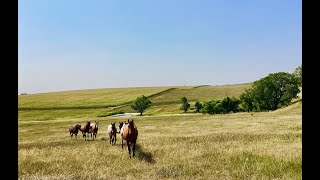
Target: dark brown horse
<point>112,131</point>
<point>129,132</point>
<point>94,129</point>
<point>85,129</point>
<point>74,129</point>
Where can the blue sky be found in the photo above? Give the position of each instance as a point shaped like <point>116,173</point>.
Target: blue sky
<point>81,44</point>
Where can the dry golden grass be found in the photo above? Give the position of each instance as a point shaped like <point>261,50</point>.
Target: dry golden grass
<point>264,145</point>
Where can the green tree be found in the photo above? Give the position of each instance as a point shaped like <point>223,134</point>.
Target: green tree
<point>272,92</point>
<point>141,104</point>
<point>218,107</point>
<point>298,73</point>
<point>198,106</point>
<point>234,104</point>
<point>185,105</point>
<point>246,101</point>
<point>208,107</point>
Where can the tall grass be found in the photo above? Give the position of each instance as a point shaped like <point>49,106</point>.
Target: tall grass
<point>259,145</point>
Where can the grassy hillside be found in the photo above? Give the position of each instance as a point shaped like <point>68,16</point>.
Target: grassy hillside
<point>90,103</point>
<point>93,98</point>
<point>171,102</point>
<point>264,145</point>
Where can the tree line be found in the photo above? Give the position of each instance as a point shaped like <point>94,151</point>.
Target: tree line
<point>269,93</point>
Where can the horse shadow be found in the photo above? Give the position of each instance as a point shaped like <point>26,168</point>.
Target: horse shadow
<point>144,155</point>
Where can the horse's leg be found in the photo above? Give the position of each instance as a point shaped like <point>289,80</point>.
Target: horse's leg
<point>134,148</point>
<point>128,144</point>
<point>122,143</point>
<point>115,139</point>
<point>76,135</point>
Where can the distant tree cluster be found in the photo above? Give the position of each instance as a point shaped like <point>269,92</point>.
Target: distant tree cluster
<point>269,93</point>
<point>223,106</point>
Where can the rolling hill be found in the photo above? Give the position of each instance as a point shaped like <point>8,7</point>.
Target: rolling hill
<point>94,102</point>
<point>171,144</point>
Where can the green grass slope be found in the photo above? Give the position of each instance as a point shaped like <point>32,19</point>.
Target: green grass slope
<point>91,103</point>
<point>84,99</point>
<point>264,145</point>
<point>170,102</point>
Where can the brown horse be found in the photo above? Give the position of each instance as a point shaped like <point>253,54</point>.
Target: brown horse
<point>120,126</point>
<point>112,131</point>
<point>85,129</point>
<point>74,129</point>
<point>129,132</point>
<point>94,129</point>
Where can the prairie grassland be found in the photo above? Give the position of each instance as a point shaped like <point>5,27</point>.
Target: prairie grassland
<point>203,93</point>
<point>264,145</point>
<point>92,98</point>
<point>170,102</point>
<point>90,103</point>
<point>26,115</point>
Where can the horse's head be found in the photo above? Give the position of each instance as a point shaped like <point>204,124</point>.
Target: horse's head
<point>130,126</point>
<point>113,127</point>
<point>96,123</point>
<point>88,124</point>
<point>78,126</point>
<point>120,125</point>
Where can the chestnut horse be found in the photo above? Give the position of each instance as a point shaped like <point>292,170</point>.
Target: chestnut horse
<point>129,132</point>
<point>112,131</point>
<point>74,129</point>
<point>85,129</point>
<point>94,129</point>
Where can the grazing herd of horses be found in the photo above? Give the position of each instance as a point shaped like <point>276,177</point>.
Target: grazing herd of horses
<point>127,130</point>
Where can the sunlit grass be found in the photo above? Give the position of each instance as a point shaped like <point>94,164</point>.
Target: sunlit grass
<point>260,145</point>
<point>94,98</point>
<point>97,102</point>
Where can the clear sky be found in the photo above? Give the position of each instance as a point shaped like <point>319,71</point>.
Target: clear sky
<point>82,44</point>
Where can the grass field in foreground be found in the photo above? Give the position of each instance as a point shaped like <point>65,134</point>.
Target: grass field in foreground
<point>265,145</point>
